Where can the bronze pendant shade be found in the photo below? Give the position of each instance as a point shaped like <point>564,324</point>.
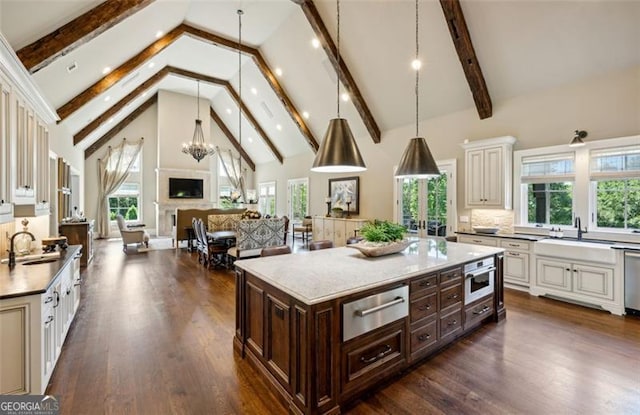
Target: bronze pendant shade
<point>417,161</point>
<point>338,152</point>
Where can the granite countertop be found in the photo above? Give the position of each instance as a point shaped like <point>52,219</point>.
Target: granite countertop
<point>316,276</point>
<point>523,236</point>
<point>23,280</point>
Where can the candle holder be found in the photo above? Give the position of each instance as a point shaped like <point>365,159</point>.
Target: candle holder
<point>348,210</point>
<point>328,209</point>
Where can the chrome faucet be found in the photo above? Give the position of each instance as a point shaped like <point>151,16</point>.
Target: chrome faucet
<point>12,254</point>
<point>578,225</point>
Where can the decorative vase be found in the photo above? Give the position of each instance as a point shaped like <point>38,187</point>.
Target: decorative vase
<point>374,249</point>
<point>22,242</point>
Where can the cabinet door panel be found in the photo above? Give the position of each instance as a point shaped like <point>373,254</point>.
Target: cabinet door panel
<point>593,281</point>
<point>278,334</point>
<point>554,274</point>
<point>475,168</point>
<point>422,338</point>
<point>13,359</point>
<point>493,177</point>
<point>516,267</point>
<point>255,318</point>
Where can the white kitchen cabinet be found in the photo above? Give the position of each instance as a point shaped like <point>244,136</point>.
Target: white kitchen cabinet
<point>593,281</point>
<point>554,274</point>
<point>516,262</point>
<point>337,230</point>
<point>478,240</point>
<point>33,330</point>
<point>488,178</point>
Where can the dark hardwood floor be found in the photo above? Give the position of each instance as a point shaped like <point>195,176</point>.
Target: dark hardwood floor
<point>154,331</point>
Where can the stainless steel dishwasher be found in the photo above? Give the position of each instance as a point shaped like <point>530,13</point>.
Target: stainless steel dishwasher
<point>632,282</point>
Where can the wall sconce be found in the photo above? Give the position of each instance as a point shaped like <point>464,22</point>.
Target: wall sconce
<point>577,139</point>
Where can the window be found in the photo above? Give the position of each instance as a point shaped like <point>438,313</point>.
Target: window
<point>126,200</point>
<point>298,199</point>
<point>267,200</point>
<point>615,183</point>
<point>426,206</point>
<point>224,197</point>
<point>547,185</point>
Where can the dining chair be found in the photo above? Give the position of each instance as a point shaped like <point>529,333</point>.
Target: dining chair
<point>275,250</point>
<point>322,244</point>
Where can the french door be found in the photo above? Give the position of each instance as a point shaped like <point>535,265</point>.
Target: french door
<point>297,199</point>
<point>427,206</point>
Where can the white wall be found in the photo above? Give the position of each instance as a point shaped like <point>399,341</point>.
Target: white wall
<point>607,106</point>
<point>143,126</point>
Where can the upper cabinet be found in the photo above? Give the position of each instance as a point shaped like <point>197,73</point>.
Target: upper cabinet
<point>488,177</point>
<point>24,137</point>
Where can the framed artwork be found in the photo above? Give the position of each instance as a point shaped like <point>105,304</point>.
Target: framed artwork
<point>343,190</point>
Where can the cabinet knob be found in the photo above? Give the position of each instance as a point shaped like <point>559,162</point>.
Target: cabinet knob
<point>452,323</point>
<point>424,337</point>
<point>424,307</point>
<point>452,296</point>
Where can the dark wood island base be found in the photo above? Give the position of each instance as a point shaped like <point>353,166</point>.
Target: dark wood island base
<point>299,348</point>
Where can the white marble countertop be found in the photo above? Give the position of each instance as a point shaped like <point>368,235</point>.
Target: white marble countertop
<point>316,276</point>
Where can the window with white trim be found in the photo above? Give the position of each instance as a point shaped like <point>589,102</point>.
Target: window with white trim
<point>615,187</point>
<point>547,183</point>
<point>126,200</point>
<point>267,199</point>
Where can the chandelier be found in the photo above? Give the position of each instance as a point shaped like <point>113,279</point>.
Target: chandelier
<point>197,148</point>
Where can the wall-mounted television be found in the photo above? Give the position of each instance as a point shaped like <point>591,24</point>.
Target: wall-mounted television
<point>185,188</point>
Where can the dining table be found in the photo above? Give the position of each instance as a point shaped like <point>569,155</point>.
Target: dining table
<point>228,237</point>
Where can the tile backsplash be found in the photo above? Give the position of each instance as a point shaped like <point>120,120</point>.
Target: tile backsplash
<point>502,219</point>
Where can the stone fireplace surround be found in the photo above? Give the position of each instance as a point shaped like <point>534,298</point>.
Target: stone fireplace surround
<point>166,207</point>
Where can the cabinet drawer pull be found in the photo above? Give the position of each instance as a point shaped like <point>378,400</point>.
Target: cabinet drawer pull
<point>452,323</point>
<point>484,310</point>
<point>57,295</point>
<point>513,254</point>
<point>79,281</point>
<point>452,296</point>
<point>362,313</point>
<point>424,337</point>
<point>387,349</point>
<point>514,245</point>
<point>48,300</point>
<point>424,283</point>
<point>424,307</point>
<point>476,241</point>
<point>49,320</point>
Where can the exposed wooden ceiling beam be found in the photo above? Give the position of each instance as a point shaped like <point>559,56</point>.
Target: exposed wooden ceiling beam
<point>117,107</point>
<point>310,11</point>
<point>231,138</point>
<point>247,114</point>
<point>462,41</point>
<point>120,126</point>
<point>149,52</point>
<point>77,32</point>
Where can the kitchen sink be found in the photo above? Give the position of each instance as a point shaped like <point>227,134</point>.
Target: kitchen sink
<point>591,251</point>
<point>40,261</point>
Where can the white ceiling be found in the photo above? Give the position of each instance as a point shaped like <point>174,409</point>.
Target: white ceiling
<point>522,46</point>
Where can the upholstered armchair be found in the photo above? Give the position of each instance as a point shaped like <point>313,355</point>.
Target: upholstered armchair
<point>133,235</point>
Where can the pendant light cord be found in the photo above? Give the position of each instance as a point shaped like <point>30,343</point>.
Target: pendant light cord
<point>417,71</point>
<point>198,100</point>
<point>240,13</point>
<point>338,58</point>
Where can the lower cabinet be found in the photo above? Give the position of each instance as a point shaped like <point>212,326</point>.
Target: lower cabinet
<point>33,329</point>
<point>337,230</point>
<point>579,278</point>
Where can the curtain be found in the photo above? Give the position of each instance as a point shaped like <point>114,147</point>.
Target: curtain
<point>231,166</point>
<point>113,170</point>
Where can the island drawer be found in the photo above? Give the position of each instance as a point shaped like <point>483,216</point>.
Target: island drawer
<point>450,276</point>
<point>477,312</point>
<point>450,296</point>
<point>422,338</point>
<point>368,358</point>
<point>423,307</point>
<point>423,284</point>
<point>450,323</point>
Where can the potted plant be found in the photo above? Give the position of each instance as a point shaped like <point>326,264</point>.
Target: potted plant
<point>381,237</point>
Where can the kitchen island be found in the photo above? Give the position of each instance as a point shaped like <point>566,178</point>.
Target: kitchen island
<point>325,326</point>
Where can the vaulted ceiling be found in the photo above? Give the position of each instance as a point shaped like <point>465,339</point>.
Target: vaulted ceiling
<point>521,45</point>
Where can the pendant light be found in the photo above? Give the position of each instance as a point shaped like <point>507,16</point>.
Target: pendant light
<point>417,160</point>
<point>338,152</point>
<point>240,175</point>
<point>197,148</point>
<point>577,139</point>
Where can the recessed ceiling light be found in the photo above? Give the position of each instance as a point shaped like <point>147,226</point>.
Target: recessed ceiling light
<point>279,127</point>
<point>344,96</point>
<point>228,110</point>
<point>250,139</point>
<point>416,64</point>
<point>151,65</point>
<point>315,42</point>
<point>278,71</point>
<point>106,70</point>
<point>254,91</point>
<point>107,98</point>
<point>305,114</point>
<point>159,34</point>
